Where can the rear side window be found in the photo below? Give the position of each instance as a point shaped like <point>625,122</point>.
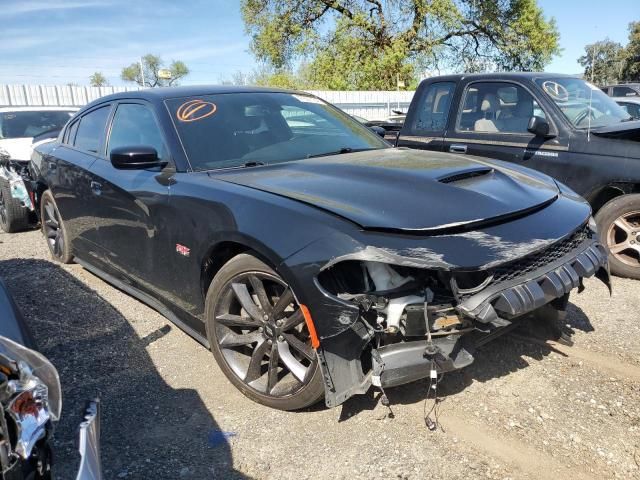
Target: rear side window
<point>624,92</point>
<point>91,130</point>
<point>70,134</point>
<point>134,125</point>
<point>433,108</point>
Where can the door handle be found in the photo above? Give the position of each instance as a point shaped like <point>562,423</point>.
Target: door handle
<point>96,187</point>
<point>457,148</point>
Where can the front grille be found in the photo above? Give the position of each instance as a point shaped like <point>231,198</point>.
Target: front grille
<point>530,263</point>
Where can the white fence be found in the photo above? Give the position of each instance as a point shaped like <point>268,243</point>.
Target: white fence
<point>372,105</point>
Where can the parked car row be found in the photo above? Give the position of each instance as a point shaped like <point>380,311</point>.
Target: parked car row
<point>314,259</point>
<point>310,256</point>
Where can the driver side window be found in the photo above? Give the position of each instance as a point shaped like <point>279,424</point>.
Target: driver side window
<point>134,125</point>
<point>497,107</point>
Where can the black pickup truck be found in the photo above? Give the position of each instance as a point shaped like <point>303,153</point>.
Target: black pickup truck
<point>560,125</point>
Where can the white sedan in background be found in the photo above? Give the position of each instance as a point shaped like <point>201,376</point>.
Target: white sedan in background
<point>20,128</point>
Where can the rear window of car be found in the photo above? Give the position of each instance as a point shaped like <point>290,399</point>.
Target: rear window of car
<point>32,123</point>
<point>91,130</point>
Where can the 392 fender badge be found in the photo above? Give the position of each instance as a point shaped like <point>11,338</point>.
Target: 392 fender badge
<point>182,250</point>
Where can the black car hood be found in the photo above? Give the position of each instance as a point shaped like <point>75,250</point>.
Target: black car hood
<point>625,130</point>
<point>402,190</point>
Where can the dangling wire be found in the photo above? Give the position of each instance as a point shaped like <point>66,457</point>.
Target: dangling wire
<point>433,385</point>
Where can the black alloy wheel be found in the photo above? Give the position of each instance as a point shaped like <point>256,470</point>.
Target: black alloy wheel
<point>259,336</point>
<point>54,230</point>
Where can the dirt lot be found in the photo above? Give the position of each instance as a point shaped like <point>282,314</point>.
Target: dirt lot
<point>522,410</point>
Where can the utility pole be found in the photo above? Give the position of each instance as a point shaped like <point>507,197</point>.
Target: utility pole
<point>141,72</point>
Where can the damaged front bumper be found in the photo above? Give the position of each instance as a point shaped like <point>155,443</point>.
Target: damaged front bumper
<point>355,359</point>
<point>15,173</point>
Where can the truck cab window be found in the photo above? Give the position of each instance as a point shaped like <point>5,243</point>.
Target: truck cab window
<point>434,106</point>
<point>497,107</point>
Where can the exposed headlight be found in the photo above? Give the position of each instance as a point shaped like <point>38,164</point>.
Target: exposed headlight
<point>30,393</point>
<point>392,297</point>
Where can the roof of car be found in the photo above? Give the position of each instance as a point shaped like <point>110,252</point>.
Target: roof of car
<point>504,75</point>
<point>162,93</point>
<point>631,99</point>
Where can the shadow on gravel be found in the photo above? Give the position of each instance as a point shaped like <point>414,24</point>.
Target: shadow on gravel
<point>505,355</point>
<point>149,430</point>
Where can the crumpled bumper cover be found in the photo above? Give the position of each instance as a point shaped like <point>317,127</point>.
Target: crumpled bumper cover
<point>405,362</point>
<point>539,288</point>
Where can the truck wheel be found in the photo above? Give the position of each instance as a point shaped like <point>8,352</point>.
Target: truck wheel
<point>13,216</point>
<point>259,337</point>
<point>619,230</point>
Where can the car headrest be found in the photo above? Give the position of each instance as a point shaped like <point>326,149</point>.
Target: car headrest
<point>524,108</point>
<point>490,103</point>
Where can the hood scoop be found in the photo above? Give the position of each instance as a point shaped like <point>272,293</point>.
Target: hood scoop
<point>466,175</point>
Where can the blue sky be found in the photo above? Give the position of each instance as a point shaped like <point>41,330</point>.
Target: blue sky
<point>62,41</point>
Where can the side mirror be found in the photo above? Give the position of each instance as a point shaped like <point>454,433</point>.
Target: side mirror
<point>379,130</point>
<point>538,126</point>
<point>135,158</point>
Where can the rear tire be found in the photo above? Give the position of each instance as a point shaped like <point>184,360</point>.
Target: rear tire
<point>54,229</point>
<point>264,350</point>
<point>13,216</point>
<point>619,230</point>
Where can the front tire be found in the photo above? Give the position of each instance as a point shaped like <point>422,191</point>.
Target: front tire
<point>259,337</point>
<point>13,216</point>
<point>619,229</point>
<point>54,229</point>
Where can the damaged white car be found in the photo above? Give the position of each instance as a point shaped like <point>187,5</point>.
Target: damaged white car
<point>20,129</point>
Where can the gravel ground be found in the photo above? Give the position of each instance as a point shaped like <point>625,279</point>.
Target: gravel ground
<point>524,409</point>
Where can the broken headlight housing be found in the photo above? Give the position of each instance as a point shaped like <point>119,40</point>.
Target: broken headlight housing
<point>30,396</point>
<point>394,298</point>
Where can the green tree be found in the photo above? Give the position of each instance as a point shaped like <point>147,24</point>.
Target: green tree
<point>369,44</point>
<point>603,62</point>
<point>631,70</point>
<point>98,80</point>
<point>151,66</point>
<point>267,76</point>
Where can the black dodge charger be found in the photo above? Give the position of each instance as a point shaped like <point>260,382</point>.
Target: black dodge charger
<point>312,258</point>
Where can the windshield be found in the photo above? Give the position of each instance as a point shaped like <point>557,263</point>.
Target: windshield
<point>584,104</point>
<point>234,129</point>
<point>32,123</point>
